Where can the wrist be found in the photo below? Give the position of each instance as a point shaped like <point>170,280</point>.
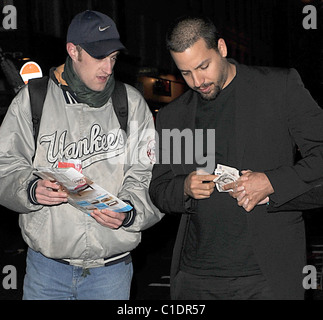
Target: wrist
<point>31,191</point>
<point>130,215</point>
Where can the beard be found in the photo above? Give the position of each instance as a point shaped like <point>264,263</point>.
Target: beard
<point>213,94</point>
<point>216,88</point>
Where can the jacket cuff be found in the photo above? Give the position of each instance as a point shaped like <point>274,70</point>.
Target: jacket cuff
<point>190,204</point>
<point>31,191</point>
<point>286,185</point>
<point>130,215</point>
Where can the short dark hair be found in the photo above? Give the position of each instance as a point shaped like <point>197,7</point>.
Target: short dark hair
<point>185,31</point>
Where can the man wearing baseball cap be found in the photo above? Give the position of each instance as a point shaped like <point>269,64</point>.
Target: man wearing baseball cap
<point>72,255</point>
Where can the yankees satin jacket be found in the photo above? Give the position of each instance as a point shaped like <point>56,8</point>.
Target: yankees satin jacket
<point>69,129</point>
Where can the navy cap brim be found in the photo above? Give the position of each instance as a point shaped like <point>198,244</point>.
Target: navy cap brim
<point>101,49</point>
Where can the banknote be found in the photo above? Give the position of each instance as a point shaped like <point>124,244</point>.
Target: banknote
<point>225,175</point>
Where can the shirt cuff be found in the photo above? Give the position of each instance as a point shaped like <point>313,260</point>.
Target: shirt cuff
<point>31,191</point>
<point>130,215</point>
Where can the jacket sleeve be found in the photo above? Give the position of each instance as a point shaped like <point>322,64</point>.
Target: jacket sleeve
<point>304,119</point>
<point>137,171</point>
<point>16,153</point>
<point>167,189</point>
<point>312,199</point>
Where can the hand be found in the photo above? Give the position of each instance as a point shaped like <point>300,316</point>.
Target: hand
<point>199,186</point>
<point>251,189</point>
<point>246,202</point>
<point>49,193</point>
<point>108,218</point>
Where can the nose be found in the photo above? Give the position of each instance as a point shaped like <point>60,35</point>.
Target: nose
<point>198,80</point>
<point>107,66</point>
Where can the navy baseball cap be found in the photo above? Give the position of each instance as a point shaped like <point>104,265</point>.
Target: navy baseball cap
<point>96,33</point>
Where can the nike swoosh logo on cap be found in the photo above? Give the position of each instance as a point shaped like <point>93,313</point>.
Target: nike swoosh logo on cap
<point>104,28</point>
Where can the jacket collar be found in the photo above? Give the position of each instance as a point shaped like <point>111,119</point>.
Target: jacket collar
<point>244,109</point>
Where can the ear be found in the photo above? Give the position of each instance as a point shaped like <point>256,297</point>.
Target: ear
<point>72,51</point>
<point>222,47</point>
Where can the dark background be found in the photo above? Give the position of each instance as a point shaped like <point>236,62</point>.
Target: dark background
<point>257,32</point>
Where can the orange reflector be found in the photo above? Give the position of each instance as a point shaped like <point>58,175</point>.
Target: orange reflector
<point>30,70</point>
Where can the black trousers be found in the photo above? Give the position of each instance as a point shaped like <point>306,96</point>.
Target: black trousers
<point>194,287</point>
